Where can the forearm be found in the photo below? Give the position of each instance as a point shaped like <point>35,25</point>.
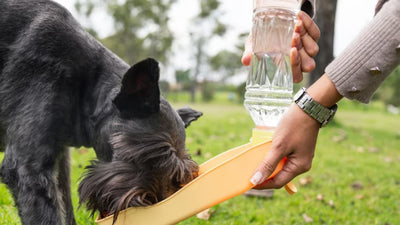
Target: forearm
<point>360,69</point>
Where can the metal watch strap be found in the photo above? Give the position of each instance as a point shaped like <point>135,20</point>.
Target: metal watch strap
<point>317,111</point>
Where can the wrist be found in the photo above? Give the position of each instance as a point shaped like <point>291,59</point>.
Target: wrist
<point>315,110</point>
<point>324,92</point>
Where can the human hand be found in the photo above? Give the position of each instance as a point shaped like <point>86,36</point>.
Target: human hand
<point>304,47</point>
<point>294,138</point>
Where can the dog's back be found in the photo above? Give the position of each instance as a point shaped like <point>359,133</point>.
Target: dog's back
<point>50,66</point>
<point>18,19</point>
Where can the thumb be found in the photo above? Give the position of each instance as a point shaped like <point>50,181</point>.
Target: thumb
<point>246,58</point>
<point>266,167</point>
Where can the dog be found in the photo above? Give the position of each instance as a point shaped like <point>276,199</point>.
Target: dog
<point>60,87</point>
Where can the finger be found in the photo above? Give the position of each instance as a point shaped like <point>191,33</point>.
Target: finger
<point>267,167</point>
<point>310,45</point>
<point>307,62</point>
<point>295,58</point>
<point>296,41</point>
<point>246,58</point>
<point>278,181</point>
<point>306,40</point>
<point>309,26</point>
<point>287,174</point>
<point>295,62</point>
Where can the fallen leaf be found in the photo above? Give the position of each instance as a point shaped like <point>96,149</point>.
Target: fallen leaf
<point>207,155</point>
<point>359,197</point>
<point>342,135</point>
<point>205,215</point>
<point>388,159</point>
<point>373,150</point>
<point>213,137</point>
<point>189,140</point>
<point>305,180</point>
<point>357,186</point>
<point>360,149</point>
<point>307,219</point>
<point>232,136</point>
<point>331,204</point>
<point>320,197</point>
<point>338,139</point>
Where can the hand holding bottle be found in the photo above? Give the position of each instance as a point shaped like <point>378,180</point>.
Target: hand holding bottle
<point>295,138</point>
<point>304,47</point>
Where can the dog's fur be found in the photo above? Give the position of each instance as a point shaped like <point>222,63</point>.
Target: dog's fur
<point>60,87</point>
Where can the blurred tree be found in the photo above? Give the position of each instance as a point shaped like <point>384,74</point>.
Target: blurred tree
<point>141,27</point>
<point>205,26</point>
<point>208,90</point>
<point>325,19</point>
<point>228,62</point>
<point>164,87</point>
<point>182,77</point>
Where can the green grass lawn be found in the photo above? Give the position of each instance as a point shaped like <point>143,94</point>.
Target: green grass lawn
<point>355,176</point>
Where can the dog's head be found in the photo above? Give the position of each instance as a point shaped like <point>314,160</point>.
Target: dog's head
<point>149,161</point>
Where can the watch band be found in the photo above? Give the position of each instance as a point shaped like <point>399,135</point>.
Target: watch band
<point>317,111</point>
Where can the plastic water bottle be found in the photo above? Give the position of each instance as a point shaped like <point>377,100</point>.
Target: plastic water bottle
<point>269,86</point>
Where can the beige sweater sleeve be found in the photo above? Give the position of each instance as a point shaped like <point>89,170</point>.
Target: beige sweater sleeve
<point>361,68</point>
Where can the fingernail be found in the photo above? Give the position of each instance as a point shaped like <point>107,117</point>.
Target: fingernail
<point>256,179</point>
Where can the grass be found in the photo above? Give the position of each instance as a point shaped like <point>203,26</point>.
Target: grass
<point>354,180</point>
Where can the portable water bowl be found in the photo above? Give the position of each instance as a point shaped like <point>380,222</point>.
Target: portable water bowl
<point>220,178</point>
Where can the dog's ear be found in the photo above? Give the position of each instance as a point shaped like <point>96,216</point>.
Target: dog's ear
<point>139,95</point>
<point>188,115</point>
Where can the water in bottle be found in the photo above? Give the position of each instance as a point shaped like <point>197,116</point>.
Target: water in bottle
<point>269,86</point>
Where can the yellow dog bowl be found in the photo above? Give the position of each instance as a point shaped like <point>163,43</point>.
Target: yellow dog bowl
<point>221,178</point>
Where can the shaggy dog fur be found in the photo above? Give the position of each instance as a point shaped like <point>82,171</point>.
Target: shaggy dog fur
<point>60,87</point>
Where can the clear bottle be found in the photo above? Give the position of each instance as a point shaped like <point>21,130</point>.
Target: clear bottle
<point>269,86</point>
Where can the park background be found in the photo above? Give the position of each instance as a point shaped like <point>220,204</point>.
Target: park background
<point>355,174</point>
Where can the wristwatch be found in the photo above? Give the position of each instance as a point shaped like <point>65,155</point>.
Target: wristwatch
<point>317,111</point>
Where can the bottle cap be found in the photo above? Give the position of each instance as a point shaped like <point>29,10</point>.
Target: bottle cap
<point>293,5</point>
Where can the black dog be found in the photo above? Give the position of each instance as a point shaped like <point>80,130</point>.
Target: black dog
<point>60,87</point>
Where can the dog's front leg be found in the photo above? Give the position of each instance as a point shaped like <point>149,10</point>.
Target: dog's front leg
<point>64,187</point>
<point>30,176</point>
